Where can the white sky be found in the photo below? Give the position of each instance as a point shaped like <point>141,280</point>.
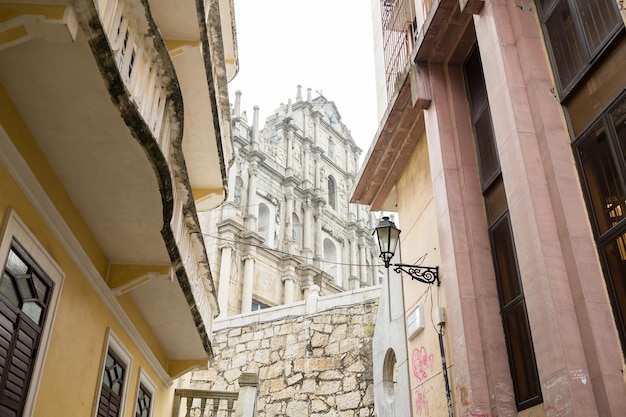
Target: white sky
<point>325,45</point>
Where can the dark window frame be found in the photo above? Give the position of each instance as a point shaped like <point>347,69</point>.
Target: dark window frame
<point>106,407</point>
<point>259,305</point>
<point>589,56</point>
<point>143,409</point>
<point>23,325</point>
<point>606,238</point>
<point>509,310</point>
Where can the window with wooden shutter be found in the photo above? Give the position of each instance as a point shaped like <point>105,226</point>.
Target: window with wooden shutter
<point>112,391</point>
<point>115,371</point>
<point>146,391</point>
<point>24,298</point>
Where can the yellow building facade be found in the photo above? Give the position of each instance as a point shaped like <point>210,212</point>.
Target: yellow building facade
<point>114,133</point>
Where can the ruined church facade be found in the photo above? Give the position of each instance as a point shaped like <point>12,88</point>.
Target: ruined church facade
<point>287,223</point>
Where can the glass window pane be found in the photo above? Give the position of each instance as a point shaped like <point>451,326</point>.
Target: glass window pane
<point>24,286</point>
<point>7,288</point>
<point>15,264</point>
<point>116,387</point>
<point>602,178</point>
<point>113,373</point>
<point>475,82</point>
<point>506,262</point>
<point>522,361</point>
<point>106,380</point>
<point>615,254</point>
<point>33,310</point>
<point>602,85</point>
<point>599,18</point>
<point>41,287</point>
<point>618,115</point>
<point>487,153</point>
<point>568,50</point>
<point>143,402</point>
<point>495,200</point>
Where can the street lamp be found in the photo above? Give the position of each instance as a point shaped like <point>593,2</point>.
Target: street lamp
<point>388,235</point>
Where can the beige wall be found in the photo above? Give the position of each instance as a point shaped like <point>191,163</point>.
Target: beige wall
<point>420,242</point>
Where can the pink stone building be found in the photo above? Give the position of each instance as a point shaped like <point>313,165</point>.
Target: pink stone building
<point>502,146</point>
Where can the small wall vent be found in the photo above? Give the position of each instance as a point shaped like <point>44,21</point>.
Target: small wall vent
<point>415,321</point>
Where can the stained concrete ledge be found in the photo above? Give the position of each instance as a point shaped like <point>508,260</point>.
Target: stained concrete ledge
<point>314,304</point>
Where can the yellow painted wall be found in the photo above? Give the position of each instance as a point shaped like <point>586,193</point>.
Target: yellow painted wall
<point>418,223</point>
<point>70,378</point>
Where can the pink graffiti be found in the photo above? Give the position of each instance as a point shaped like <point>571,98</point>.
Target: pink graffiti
<point>552,411</point>
<point>422,363</point>
<point>421,402</point>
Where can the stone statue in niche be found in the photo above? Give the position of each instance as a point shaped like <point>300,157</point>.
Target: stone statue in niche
<point>237,193</point>
<point>342,202</point>
<point>271,146</point>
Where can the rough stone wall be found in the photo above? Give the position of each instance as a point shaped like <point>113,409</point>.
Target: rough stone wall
<point>311,365</point>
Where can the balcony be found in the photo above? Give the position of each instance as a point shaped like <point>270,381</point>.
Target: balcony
<point>128,104</point>
<point>399,31</point>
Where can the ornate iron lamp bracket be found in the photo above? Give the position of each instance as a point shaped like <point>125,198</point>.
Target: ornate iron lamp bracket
<point>425,274</point>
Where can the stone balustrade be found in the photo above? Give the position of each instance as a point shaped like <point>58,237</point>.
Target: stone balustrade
<point>136,60</point>
<point>204,403</point>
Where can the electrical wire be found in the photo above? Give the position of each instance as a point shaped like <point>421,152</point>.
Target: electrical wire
<point>303,258</point>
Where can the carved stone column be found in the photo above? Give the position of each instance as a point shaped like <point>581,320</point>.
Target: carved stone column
<point>223,290</point>
<point>354,260</point>
<point>351,207</point>
<point>363,260</point>
<point>317,179</point>
<point>288,232</point>
<point>307,230</point>
<point>305,166</point>
<point>289,285</point>
<point>248,284</point>
<point>318,254</point>
<point>289,143</point>
<point>251,220</point>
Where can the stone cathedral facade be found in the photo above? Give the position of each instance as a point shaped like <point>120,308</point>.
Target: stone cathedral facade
<point>287,223</point>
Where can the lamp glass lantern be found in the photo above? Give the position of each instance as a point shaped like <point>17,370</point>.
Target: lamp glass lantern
<point>387,235</point>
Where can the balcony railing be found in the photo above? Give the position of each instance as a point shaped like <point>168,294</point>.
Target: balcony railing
<point>136,63</point>
<point>202,403</point>
<point>191,257</point>
<point>398,23</point>
<point>198,403</point>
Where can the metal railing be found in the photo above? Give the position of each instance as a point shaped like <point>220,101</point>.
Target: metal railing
<point>398,23</point>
